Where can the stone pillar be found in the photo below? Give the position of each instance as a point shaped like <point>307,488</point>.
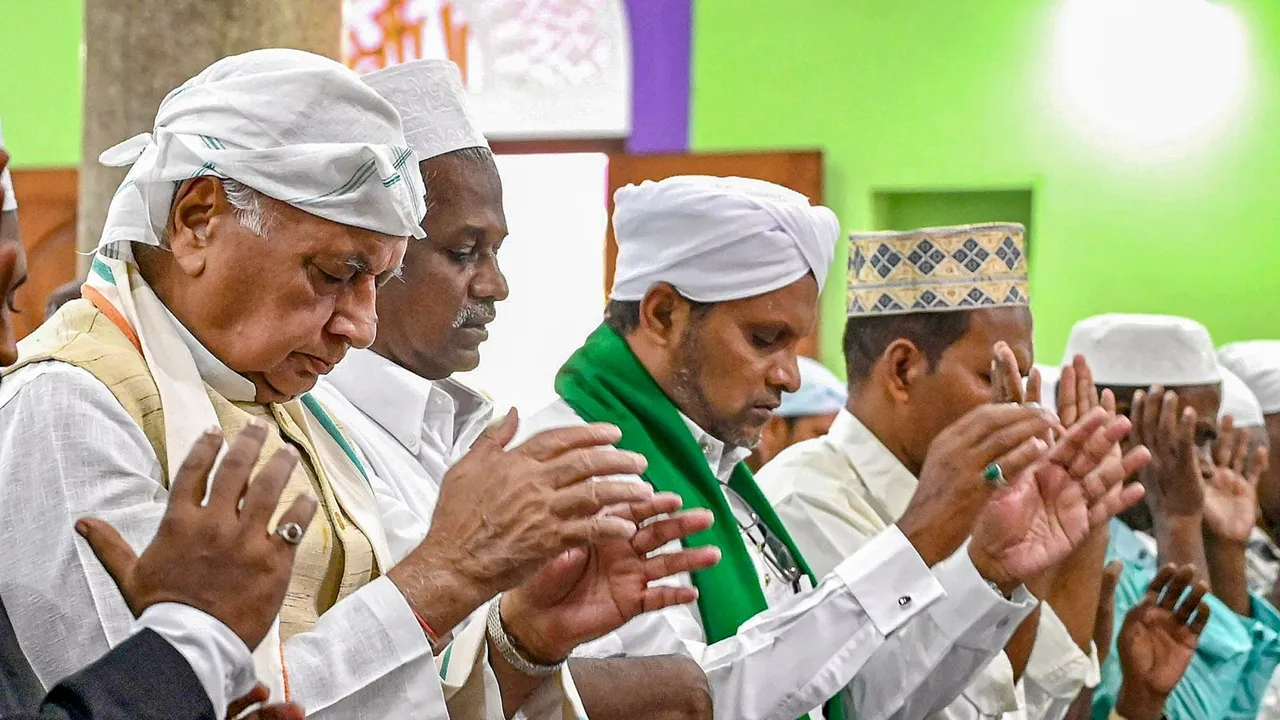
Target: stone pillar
<point>136,51</point>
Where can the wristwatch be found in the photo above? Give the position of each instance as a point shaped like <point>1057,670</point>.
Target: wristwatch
<point>510,650</point>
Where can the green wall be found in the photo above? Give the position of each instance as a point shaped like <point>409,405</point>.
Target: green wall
<point>40,81</point>
<point>945,95</point>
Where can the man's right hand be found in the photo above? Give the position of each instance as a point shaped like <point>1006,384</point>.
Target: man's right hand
<point>219,558</point>
<point>503,513</point>
<point>952,490</point>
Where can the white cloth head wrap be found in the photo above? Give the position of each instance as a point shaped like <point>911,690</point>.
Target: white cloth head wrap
<point>1239,402</point>
<point>718,238</point>
<point>6,182</point>
<point>1143,350</point>
<point>292,125</point>
<point>1258,365</point>
<point>820,393</point>
<point>432,104</point>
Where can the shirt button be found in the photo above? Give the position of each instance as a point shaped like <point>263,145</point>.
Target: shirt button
<point>904,601</point>
<point>1003,624</point>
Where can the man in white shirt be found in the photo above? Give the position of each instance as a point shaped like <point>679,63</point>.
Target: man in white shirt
<point>240,261</point>
<point>717,281</point>
<point>919,351</point>
<point>412,421</point>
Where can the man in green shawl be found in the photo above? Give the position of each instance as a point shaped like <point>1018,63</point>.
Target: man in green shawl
<point>717,281</point>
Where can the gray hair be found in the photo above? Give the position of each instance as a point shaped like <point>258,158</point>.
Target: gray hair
<point>248,206</point>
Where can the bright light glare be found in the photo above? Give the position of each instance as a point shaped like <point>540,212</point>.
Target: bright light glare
<point>1146,74</point>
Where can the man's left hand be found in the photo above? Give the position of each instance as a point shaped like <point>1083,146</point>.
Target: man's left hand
<point>588,592</point>
<point>1231,492</point>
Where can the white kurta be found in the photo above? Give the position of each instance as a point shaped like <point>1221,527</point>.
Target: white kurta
<point>836,492</point>
<point>902,639</point>
<point>67,450</point>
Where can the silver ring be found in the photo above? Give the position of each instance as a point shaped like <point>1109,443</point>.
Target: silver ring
<point>291,533</point>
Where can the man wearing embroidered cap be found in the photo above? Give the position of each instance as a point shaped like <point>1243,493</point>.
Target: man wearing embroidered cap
<point>804,414</point>
<point>239,262</point>
<point>412,421</point>
<point>717,282</point>
<point>930,312</point>
<point>1200,506</point>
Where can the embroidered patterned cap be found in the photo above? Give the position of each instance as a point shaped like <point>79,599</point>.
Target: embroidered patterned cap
<point>432,103</point>
<point>937,269</point>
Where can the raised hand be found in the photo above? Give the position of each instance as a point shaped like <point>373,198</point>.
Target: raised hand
<point>1231,492</point>
<point>589,592</point>
<point>1173,477</point>
<point>1157,641</point>
<point>503,514</point>
<point>1050,508</point>
<point>1104,626</point>
<point>952,489</point>
<point>220,558</point>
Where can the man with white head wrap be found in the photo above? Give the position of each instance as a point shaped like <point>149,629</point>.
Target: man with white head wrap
<point>804,414</point>
<point>939,325</point>
<point>717,283</point>
<point>1200,506</point>
<point>239,262</point>
<point>412,420</point>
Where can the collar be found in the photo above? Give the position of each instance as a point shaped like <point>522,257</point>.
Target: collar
<point>409,406</point>
<point>225,381</point>
<point>889,483</point>
<point>721,457</point>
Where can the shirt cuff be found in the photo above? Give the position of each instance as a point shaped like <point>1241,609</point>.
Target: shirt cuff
<point>218,657</point>
<point>890,580</point>
<point>1057,665</point>
<point>975,615</point>
<point>394,613</point>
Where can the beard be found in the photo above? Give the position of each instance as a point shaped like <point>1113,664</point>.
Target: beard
<point>738,430</point>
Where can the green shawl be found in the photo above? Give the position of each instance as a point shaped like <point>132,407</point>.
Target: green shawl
<point>604,382</point>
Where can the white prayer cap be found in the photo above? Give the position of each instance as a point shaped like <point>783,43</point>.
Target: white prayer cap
<point>1239,402</point>
<point>294,126</point>
<point>1049,377</point>
<point>1258,365</point>
<point>820,393</point>
<point>432,104</point>
<point>6,182</point>
<point>718,238</point>
<point>1143,350</point>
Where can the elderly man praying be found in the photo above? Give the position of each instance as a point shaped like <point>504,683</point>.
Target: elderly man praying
<point>240,261</point>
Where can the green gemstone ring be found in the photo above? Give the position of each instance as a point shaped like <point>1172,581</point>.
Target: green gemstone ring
<point>994,475</point>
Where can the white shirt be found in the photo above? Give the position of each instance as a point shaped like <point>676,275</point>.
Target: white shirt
<point>835,493</point>
<point>68,450</point>
<point>410,431</point>
<point>218,657</point>
<point>881,624</point>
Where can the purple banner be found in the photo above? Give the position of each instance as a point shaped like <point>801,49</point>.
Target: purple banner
<point>661,40</point>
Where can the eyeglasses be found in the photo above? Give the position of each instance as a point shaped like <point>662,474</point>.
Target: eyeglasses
<point>775,552</point>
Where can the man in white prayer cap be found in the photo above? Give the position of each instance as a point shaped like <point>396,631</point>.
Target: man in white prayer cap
<point>1200,504</point>
<point>413,421</point>
<point>1257,363</point>
<point>240,261</point>
<point>717,283</point>
<point>804,414</point>
<point>930,313</point>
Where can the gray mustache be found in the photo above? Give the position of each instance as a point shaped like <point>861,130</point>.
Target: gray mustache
<point>483,313</point>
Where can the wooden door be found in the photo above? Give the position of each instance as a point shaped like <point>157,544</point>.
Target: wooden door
<point>801,171</point>
<point>47,221</point>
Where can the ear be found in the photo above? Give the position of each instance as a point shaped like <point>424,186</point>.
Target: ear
<point>900,367</point>
<point>196,209</point>
<point>664,314</point>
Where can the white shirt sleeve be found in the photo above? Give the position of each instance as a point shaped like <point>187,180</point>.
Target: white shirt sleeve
<point>791,658</point>
<point>219,659</point>
<point>69,450</point>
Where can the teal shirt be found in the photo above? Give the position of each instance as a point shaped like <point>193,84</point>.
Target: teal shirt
<point>1233,664</point>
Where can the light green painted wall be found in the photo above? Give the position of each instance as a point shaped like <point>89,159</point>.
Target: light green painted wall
<point>948,94</point>
<point>41,102</point>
